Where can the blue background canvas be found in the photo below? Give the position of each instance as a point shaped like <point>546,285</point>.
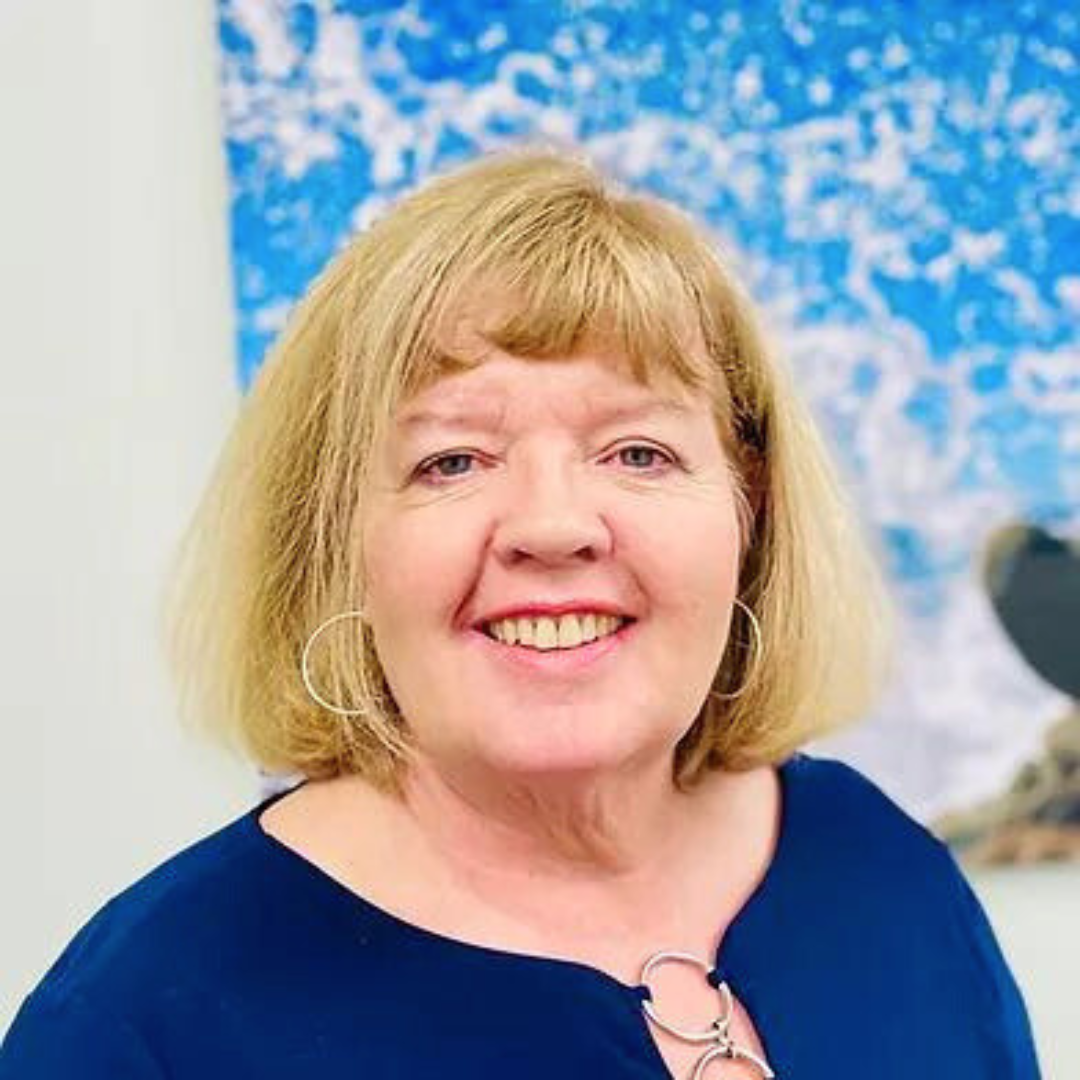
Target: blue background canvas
<point>897,181</point>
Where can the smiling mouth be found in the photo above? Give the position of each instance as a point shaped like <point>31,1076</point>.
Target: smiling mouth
<point>555,633</point>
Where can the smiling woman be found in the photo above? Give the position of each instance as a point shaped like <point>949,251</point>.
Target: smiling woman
<point>525,258</point>
<point>525,554</point>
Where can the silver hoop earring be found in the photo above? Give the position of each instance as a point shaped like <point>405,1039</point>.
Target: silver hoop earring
<point>305,671</point>
<point>757,648</point>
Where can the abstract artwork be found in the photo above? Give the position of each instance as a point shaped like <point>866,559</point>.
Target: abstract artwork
<point>899,184</point>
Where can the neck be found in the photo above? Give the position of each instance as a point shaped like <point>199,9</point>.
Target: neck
<point>603,873</point>
<point>607,842</point>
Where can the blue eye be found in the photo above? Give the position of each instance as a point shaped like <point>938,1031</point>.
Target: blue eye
<point>445,466</point>
<point>641,457</point>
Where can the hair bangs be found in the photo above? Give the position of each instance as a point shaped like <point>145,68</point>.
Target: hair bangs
<point>555,293</point>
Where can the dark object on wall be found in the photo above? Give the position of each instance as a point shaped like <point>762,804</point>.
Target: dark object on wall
<point>1033,581</point>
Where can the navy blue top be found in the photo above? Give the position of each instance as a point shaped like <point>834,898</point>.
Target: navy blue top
<point>862,953</point>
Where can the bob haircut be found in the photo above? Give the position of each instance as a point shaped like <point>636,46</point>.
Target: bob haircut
<point>275,546</point>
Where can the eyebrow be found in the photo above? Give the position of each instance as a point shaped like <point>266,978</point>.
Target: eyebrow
<point>492,420</point>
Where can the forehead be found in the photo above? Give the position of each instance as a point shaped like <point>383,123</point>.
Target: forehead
<point>586,389</point>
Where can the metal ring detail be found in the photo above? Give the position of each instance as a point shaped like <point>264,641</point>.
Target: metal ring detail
<point>717,1029</point>
<point>305,670</point>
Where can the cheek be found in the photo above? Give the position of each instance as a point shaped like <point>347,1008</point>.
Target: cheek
<point>416,570</point>
<point>689,557</point>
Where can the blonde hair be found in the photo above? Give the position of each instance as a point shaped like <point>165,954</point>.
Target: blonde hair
<point>275,546</point>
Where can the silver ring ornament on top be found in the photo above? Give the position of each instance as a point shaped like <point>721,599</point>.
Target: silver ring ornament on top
<point>725,1047</point>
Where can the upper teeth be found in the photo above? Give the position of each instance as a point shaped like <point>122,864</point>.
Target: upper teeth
<point>560,632</point>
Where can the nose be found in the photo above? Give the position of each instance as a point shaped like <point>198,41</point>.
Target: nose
<point>550,515</point>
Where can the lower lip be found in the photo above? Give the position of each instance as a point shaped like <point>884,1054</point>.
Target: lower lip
<point>555,661</point>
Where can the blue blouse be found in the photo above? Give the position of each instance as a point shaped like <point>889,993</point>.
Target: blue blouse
<point>863,953</point>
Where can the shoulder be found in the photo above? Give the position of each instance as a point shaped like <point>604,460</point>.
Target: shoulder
<point>150,957</point>
<point>851,848</point>
<point>840,784</point>
<point>878,884</point>
<point>193,906</point>
<point>836,803</point>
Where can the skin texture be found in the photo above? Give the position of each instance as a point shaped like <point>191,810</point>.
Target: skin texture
<point>547,494</point>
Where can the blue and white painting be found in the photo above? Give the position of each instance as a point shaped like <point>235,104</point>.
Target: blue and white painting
<point>899,183</point>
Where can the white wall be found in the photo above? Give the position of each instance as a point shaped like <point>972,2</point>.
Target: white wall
<point>118,384</point>
<point>1036,914</point>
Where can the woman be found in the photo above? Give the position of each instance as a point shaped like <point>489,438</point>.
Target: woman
<point>525,555</point>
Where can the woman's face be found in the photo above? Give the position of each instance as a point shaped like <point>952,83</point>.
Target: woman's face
<point>523,508</point>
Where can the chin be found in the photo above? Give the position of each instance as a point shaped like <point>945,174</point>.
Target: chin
<point>570,758</point>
